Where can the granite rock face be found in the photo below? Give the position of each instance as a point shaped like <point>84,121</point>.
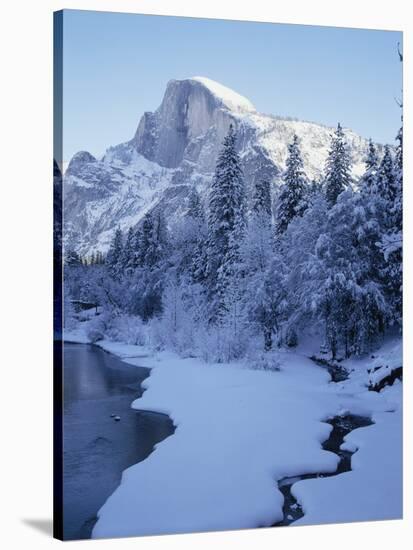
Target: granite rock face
<point>175,148</point>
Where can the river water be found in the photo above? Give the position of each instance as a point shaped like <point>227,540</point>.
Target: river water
<point>97,448</point>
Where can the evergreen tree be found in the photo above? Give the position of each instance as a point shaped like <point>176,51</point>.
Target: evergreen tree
<point>128,253</point>
<point>291,199</point>
<point>397,207</point>
<point>261,199</point>
<point>338,176</point>
<point>368,181</point>
<point>195,210</point>
<point>257,245</point>
<point>161,236</point>
<point>268,300</point>
<point>150,241</point>
<point>147,247</point>
<point>72,258</point>
<point>196,234</point>
<point>230,271</point>
<point>226,219</point>
<point>351,303</point>
<point>391,180</point>
<point>386,184</point>
<point>113,259</point>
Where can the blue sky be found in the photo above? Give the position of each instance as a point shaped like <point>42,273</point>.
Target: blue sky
<point>116,66</point>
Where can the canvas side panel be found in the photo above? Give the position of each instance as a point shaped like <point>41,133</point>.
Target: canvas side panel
<point>57,275</point>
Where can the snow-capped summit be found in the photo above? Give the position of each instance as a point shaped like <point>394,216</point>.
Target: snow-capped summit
<point>190,109</point>
<point>229,98</point>
<point>80,158</point>
<point>174,148</point>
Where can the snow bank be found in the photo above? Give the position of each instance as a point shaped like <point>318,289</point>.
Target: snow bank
<point>238,432</point>
<point>76,335</point>
<point>127,352</point>
<point>373,490</point>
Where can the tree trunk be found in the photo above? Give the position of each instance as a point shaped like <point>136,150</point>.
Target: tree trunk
<point>267,338</point>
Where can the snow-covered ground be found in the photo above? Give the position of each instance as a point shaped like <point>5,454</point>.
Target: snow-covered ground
<point>240,430</point>
<point>373,490</point>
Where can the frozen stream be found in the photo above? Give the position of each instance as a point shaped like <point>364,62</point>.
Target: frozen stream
<point>342,425</point>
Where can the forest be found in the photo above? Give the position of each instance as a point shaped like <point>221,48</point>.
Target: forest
<point>249,269</point>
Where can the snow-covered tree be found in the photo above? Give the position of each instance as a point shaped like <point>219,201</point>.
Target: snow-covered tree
<point>257,244</point>
<point>386,185</point>
<point>261,199</point>
<point>114,256</point>
<point>127,259</point>
<point>350,302</point>
<point>268,300</point>
<point>195,208</point>
<point>338,167</point>
<point>392,239</point>
<point>72,258</point>
<point>188,241</point>
<point>292,195</point>
<point>226,220</point>
<point>397,209</point>
<point>298,245</point>
<point>368,182</point>
<point>151,240</point>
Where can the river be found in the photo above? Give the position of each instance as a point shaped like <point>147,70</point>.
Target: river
<point>97,447</point>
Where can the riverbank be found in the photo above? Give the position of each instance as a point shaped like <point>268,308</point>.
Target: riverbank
<point>239,431</point>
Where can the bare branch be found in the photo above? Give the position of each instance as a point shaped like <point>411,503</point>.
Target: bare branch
<point>399,52</point>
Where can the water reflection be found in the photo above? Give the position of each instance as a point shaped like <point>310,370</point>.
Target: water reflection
<point>96,448</point>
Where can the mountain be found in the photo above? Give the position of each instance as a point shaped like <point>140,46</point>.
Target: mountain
<point>176,147</point>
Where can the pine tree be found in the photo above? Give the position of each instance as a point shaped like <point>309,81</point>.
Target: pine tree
<point>147,248</point>
<point>267,299</point>
<point>72,258</point>
<point>195,224</point>
<point>368,182</point>
<point>226,219</point>
<point>257,246</point>
<point>386,182</point>
<point>338,176</point>
<point>291,199</point>
<point>391,183</point>
<point>151,240</point>
<point>397,209</point>
<point>195,210</point>
<point>128,253</point>
<point>350,301</point>
<point>261,199</point>
<point>161,236</point>
<point>113,259</point>
<point>230,271</point>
